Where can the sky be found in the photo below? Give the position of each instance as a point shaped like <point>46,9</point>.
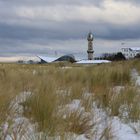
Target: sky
<point>56,27</point>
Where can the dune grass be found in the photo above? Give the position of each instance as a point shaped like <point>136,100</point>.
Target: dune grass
<point>54,87</point>
<point>58,87</point>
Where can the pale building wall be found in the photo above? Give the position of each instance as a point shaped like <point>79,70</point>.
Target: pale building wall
<point>130,52</point>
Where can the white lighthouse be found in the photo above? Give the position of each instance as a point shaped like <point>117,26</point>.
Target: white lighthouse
<point>90,46</point>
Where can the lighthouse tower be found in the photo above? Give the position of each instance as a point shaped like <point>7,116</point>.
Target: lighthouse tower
<point>90,46</point>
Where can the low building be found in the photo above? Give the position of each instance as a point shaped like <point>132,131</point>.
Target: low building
<point>130,52</point>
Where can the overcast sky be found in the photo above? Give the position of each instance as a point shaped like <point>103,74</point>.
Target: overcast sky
<point>47,27</point>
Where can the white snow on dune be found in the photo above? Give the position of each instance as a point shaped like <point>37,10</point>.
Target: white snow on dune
<point>135,76</point>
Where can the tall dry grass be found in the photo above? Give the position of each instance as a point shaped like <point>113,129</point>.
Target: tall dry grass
<point>53,87</point>
<point>56,86</point>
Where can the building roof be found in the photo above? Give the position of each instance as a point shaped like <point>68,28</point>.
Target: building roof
<point>47,59</point>
<point>133,49</point>
<point>93,61</point>
<point>90,36</point>
<point>69,58</point>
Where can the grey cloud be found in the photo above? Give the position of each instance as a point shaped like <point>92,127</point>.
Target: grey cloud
<point>131,1</point>
<point>52,2</point>
<point>26,36</point>
<point>69,30</point>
